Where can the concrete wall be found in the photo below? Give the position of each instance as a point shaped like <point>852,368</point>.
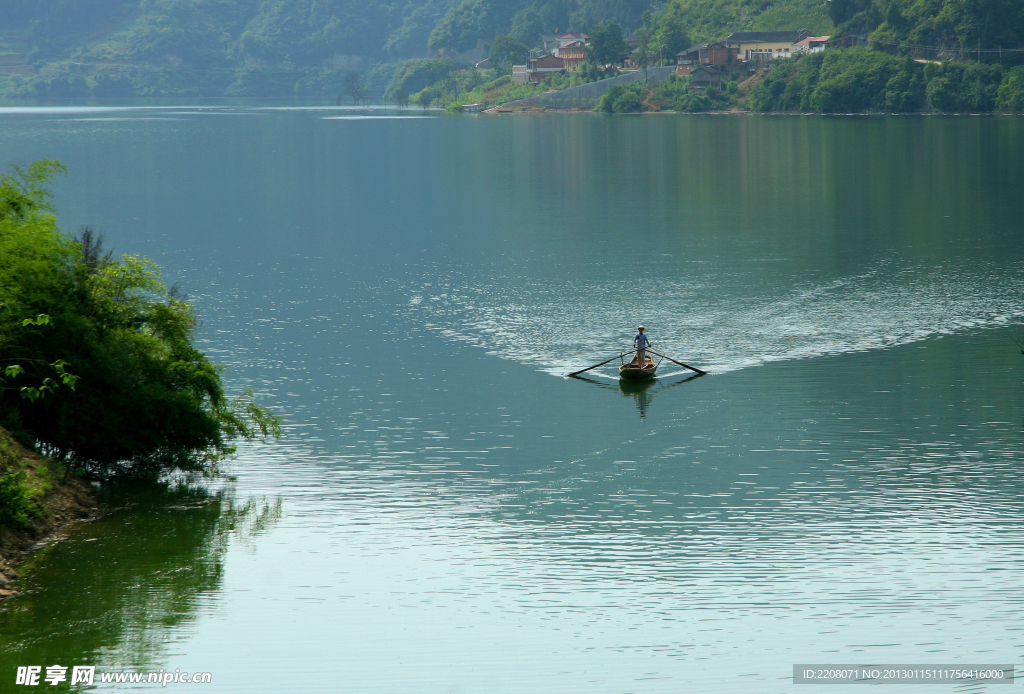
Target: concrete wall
<point>587,95</point>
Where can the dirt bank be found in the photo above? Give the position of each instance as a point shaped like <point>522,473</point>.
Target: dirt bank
<point>56,502</point>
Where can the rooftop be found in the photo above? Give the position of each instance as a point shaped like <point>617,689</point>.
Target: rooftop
<point>813,39</point>
<point>788,36</point>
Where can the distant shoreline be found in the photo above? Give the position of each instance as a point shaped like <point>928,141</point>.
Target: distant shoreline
<point>539,108</point>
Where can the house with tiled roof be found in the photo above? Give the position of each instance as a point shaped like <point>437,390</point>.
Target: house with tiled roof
<point>573,52</point>
<point>707,76</point>
<point>812,44</point>
<point>710,53</point>
<point>765,45</point>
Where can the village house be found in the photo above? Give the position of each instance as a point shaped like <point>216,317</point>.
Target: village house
<point>765,45</point>
<point>537,69</point>
<point>706,76</point>
<point>553,41</point>
<point>543,66</point>
<point>704,54</point>
<point>812,44</point>
<point>573,52</point>
<point>634,60</point>
<point>575,36</point>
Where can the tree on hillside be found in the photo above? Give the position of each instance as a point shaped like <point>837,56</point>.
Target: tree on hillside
<point>643,39</point>
<point>354,87</point>
<point>145,399</point>
<point>937,29</point>
<point>506,52</point>
<point>472,21</point>
<point>419,73</point>
<point>671,32</point>
<point>425,98</point>
<point>606,44</point>
<point>845,10</point>
<point>527,26</point>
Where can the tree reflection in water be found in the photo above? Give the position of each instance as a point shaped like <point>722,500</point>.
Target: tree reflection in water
<point>109,592</point>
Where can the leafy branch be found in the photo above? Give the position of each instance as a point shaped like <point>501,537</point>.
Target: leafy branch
<point>47,384</point>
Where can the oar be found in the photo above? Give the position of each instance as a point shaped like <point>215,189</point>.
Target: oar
<point>618,356</point>
<point>685,366</point>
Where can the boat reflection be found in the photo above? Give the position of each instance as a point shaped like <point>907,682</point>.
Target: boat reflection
<point>642,391</point>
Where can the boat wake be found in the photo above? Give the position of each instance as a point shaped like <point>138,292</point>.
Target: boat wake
<point>719,326</point>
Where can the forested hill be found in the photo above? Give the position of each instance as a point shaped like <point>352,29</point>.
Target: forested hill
<point>205,47</point>
<point>935,28</point>
<point>112,48</point>
<point>121,48</point>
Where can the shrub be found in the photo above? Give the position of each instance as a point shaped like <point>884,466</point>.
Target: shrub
<point>840,81</point>
<point>17,503</point>
<point>956,87</point>
<point>1010,95</point>
<point>146,399</point>
<point>623,99</point>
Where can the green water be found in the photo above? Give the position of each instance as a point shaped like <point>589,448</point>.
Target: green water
<point>447,513</point>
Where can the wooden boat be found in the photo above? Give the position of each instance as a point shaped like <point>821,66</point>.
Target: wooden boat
<point>634,371</point>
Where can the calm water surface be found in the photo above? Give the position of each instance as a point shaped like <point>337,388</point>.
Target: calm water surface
<point>446,513</point>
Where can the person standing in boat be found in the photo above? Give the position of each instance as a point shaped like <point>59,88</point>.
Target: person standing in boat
<point>641,343</point>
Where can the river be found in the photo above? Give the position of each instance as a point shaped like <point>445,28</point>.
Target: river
<point>446,512</point>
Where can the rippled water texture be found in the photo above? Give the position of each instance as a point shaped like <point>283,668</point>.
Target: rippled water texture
<point>447,513</point>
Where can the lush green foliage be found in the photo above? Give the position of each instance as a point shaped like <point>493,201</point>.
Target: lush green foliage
<point>20,495</point>
<point>841,81</point>
<point>120,48</point>
<point>672,34</point>
<point>955,87</point>
<point>145,399</point>
<point>623,98</point>
<point>1010,96</point>
<point>954,27</point>
<point>713,20</point>
<point>506,52</point>
<point>416,75</point>
<point>125,48</point>
<point>671,94</point>
<point>606,45</point>
<point>474,22</point>
<point>498,91</point>
<point>16,503</point>
<point>455,87</point>
<point>860,80</point>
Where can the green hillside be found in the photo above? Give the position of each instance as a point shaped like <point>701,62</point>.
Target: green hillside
<point>122,48</point>
<point>937,29</point>
<point>206,47</point>
<point>125,48</point>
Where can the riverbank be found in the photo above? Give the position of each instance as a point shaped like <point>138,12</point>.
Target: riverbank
<point>39,502</point>
<point>840,81</point>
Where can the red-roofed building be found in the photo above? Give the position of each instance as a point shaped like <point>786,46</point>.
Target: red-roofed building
<point>812,44</point>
